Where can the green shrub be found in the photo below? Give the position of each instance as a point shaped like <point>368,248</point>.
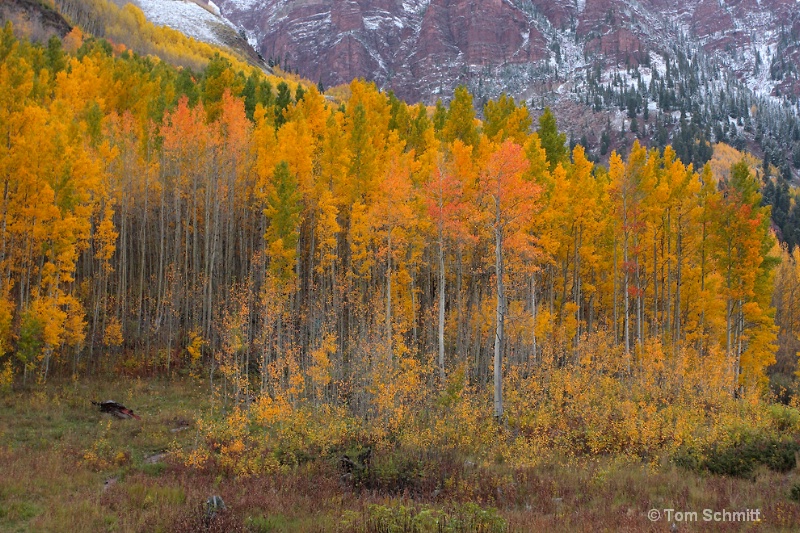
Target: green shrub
<point>741,458</point>
<point>794,492</point>
<point>154,469</point>
<point>689,458</point>
<point>395,472</point>
<point>783,417</point>
<point>472,517</point>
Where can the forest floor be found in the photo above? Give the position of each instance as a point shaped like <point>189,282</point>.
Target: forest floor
<point>64,466</point>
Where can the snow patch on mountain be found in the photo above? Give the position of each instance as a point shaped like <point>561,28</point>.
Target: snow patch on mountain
<point>187,17</point>
<point>246,4</point>
<point>415,7</point>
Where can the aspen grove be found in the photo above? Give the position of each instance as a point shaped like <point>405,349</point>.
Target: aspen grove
<point>353,252</point>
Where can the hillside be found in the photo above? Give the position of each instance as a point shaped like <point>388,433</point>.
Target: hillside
<point>598,63</point>
<point>200,20</point>
<point>181,32</point>
<point>38,20</point>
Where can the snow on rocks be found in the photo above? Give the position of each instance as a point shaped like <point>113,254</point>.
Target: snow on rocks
<point>201,22</point>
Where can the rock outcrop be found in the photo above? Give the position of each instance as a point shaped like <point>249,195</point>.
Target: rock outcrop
<point>423,48</point>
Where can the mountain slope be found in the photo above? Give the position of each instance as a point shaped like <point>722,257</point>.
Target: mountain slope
<point>422,47</point>
<point>613,70</point>
<point>199,19</point>
<point>39,20</point>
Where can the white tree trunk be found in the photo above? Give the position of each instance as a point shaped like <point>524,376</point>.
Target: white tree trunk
<point>499,334</point>
<point>442,374</point>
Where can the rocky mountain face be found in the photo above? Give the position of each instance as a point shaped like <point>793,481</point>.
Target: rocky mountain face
<point>684,72</point>
<point>423,48</point>
<point>40,21</point>
<point>416,47</point>
<point>759,40</point>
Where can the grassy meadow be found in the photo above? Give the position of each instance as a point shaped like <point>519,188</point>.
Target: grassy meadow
<point>66,467</point>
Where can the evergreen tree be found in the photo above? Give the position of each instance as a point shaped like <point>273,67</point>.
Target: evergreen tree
<point>460,123</point>
<point>439,116</point>
<point>283,213</point>
<point>282,101</point>
<point>553,142</point>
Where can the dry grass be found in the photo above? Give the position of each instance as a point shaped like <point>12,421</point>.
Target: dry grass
<point>57,452</point>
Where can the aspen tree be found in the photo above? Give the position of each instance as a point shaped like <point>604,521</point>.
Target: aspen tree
<point>507,200</point>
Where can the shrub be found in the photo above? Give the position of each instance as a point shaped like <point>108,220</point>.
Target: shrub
<point>154,469</point>
<point>741,458</point>
<point>794,492</point>
<point>784,418</point>
<point>6,378</point>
